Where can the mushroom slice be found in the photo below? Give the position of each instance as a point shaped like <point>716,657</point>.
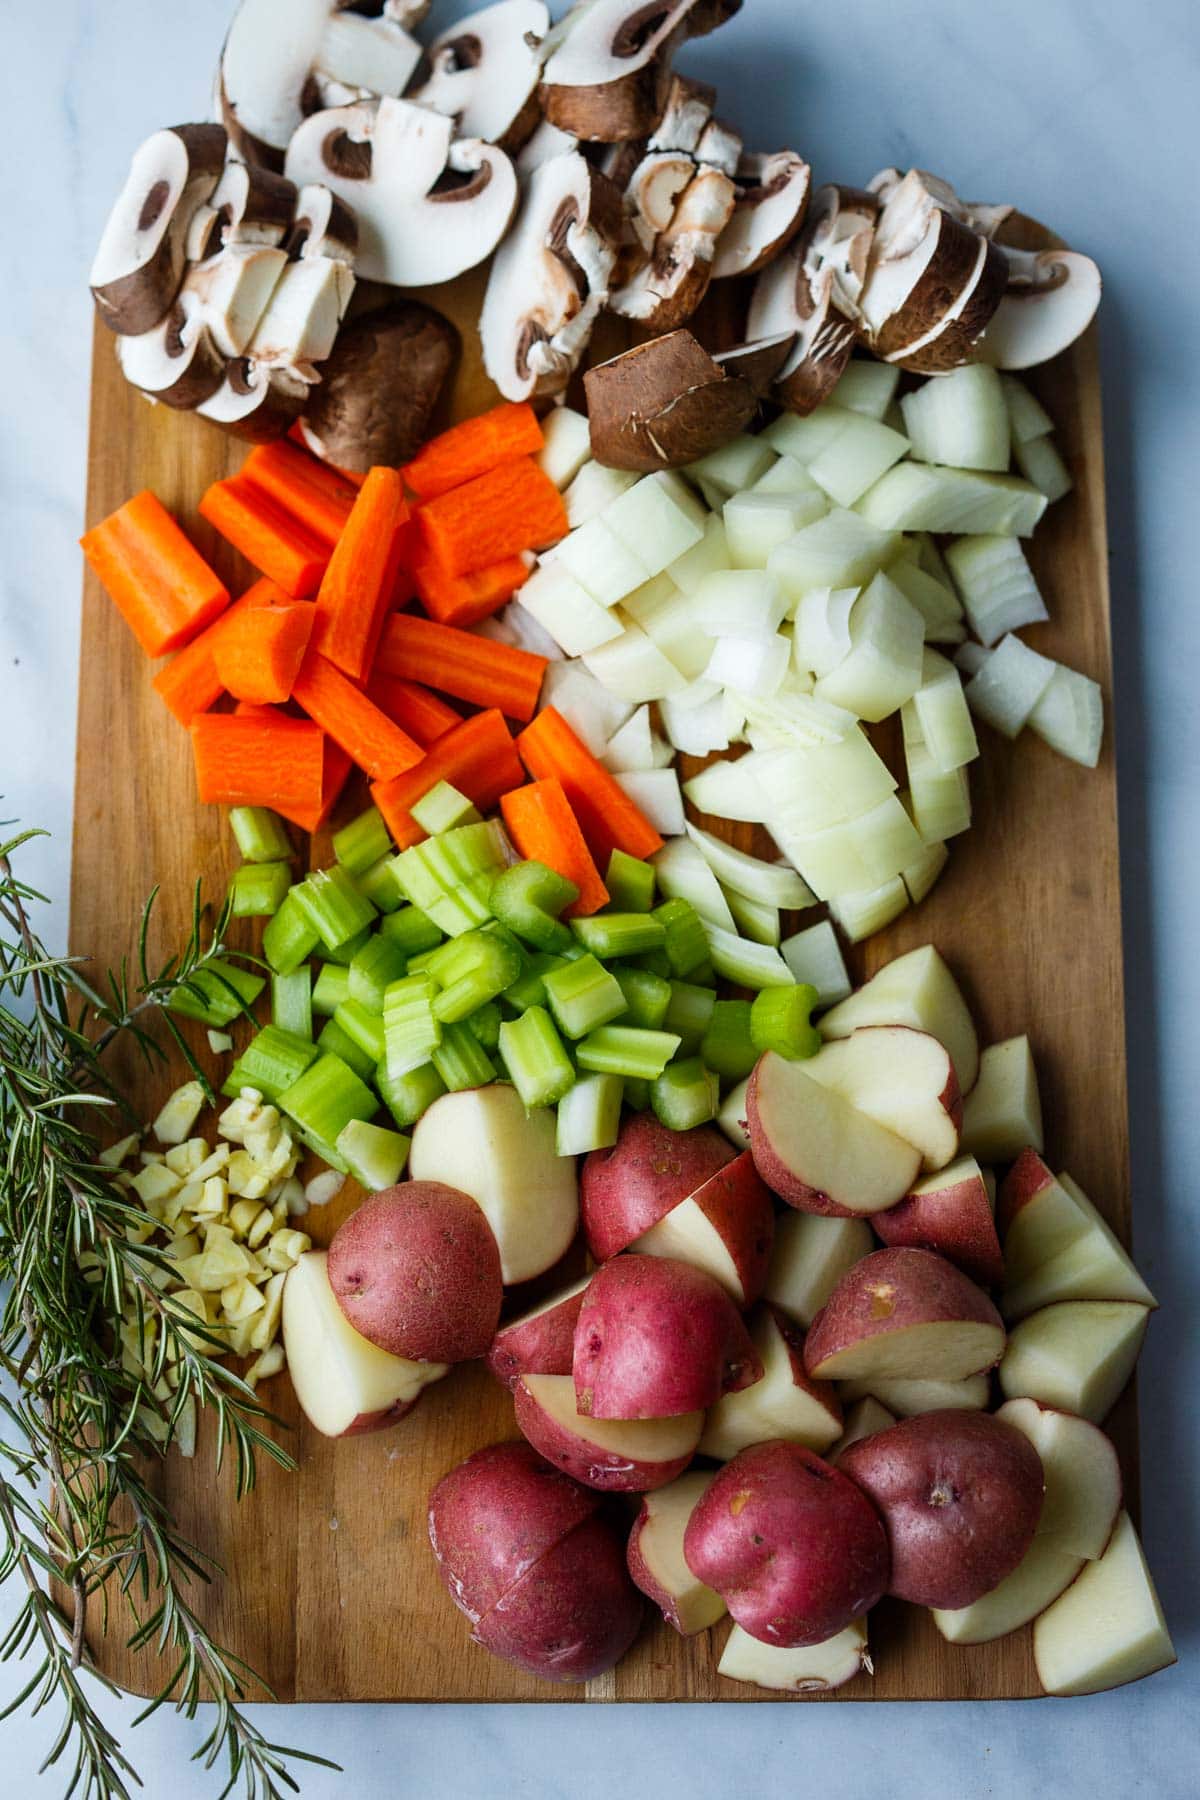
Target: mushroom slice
<point>759,362</point>
<point>257,402</point>
<point>301,320</point>
<point>607,74</point>
<point>550,277</point>
<point>772,198</point>
<point>484,72</point>
<point>546,141</point>
<point>686,115</point>
<point>922,260</point>
<point>1050,300</point>
<point>665,287</point>
<point>142,253</point>
<point>720,147</point>
<point>177,361</point>
<point>253,206</point>
<point>379,386</point>
<point>427,207</point>
<point>233,289</point>
<point>953,339</point>
<point>663,404</point>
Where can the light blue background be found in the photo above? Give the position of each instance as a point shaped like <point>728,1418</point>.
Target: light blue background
<point>1084,113</point>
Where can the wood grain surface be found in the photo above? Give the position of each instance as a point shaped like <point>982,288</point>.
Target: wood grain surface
<point>332,1592</point>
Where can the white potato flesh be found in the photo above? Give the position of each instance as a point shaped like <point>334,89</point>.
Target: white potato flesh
<point>907,1399</point>
<point>1003,1111</point>
<point>1108,1627</point>
<point>810,1255</point>
<point>1082,1474</point>
<point>775,1406</point>
<point>914,989</point>
<point>1076,1355</point>
<point>814,1670</point>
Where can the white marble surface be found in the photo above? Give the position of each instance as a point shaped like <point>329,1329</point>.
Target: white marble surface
<point>1085,114</point>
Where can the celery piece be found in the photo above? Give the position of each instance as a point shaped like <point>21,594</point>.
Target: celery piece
<point>216,993</point>
<point>619,934</point>
<point>625,1050</point>
<point>471,970</point>
<point>529,989</point>
<point>411,929</point>
<point>583,995</point>
<point>748,965</point>
<point>534,1056</point>
<point>270,1062</point>
<point>655,962</point>
<point>727,1047</point>
<point>346,953</point>
<point>528,899</point>
<point>333,906</point>
<point>689,1013</point>
<point>288,938</point>
<point>780,1021</point>
<point>332,989</point>
<point>461,1060</point>
<point>333,1041</point>
<point>466,851</point>
<point>321,1147</point>
<point>361,843</point>
<point>408,1096</point>
<point>326,1097</point>
<point>484,1024</point>
<point>647,996</point>
<point>685,940</point>
<point>442,808</point>
<point>630,883</point>
<point>637,1093</point>
<point>685,1095</point>
<point>589,1115</point>
<point>378,884</point>
<point>703,975</point>
<point>258,890</point>
<point>466,909</point>
<point>375,967</point>
<point>374,1155</point>
<point>291,1003</point>
<point>260,834</point>
<point>411,1033</point>
<point>363,1027</point>
<point>418,964</point>
<point>415,879</point>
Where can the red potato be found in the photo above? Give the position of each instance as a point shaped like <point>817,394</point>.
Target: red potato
<point>818,1152</point>
<point>950,1212</point>
<point>1057,1246</point>
<point>793,1547</point>
<point>903,1079</point>
<point>810,1256</point>
<point>785,1403</point>
<point>539,1342</point>
<point>657,1338</point>
<point>626,1190</point>
<point>416,1270</point>
<point>656,1562</point>
<point>574,1614</point>
<point>726,1228</point>
<point>917,989</point>
<point>960,1494</point>
<point>904,1315</point>
<point>620,1456</point>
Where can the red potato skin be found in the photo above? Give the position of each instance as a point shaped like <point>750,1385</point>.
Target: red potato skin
<point>737,1203</point>
<point>379,1421</point>
<point>1027,1178</point>
<point>775,1172</point>
<point>574,1614</point>
<point>648,1171</point>
<point>667,1604</point>
<point>494,1516</point>
<point>960,1494</point>
<point>586,1462</point>
<point>956,1222</point>
<point>543,1345</point>
<point>794,1548</point>
<point>655,1338</point>
<point>889,1290</point>
<point>416,1270</point>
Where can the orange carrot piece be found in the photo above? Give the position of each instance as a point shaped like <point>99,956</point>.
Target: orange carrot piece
<point>258,709</point>
<point>607,816</point>
<point>335,771</point>
<point>413,708</point>
<point>154,575</point>
<point>456,662</point>
<point>267,535</point>
<point>357,587</point>
<point>470,449</point>
<point>478,757</point>
<point>311,491</point>
<point>465,599</point>
<point>367,736</point>
<point>189,683</point>
<point>511,508</point>
<point>258,658</point>
<point>253,761</point>
<point>544,829</point>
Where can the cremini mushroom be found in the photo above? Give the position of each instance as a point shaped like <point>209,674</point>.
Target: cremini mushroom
<point>664,283</point>
<point>249,205</point>
<point>257,402</point>
<point>608,67</point>
<point>177,361</point>
<point>483,72</point>
<point>1050,300</point>
<point>666,403</point>
<point>771,198</point>
<point>140,261</point>
<point>379,386</point>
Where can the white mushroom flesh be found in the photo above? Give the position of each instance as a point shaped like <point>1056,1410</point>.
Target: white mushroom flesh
<point>1051,300</point>
<point>484,69</point>
<point>772,198</point>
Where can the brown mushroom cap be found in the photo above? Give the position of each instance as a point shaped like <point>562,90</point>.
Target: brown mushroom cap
<point>953,341</point>
<point>142,253</point>
<point>255,402</point>
<point>608,73</point>
<point>176,362</point>
<point>772,198</point>
<point>663,404</point>
<point>379,386</point>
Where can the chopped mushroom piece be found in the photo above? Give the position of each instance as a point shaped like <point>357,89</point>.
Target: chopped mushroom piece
<point>177,362</point>
<point>607,73</point>
<point>323,226</point>
<point>257,402</point>
<point>248,206</point>
<point>1050,300</point>
<point>379,386</point>
<point>665,403</point>
<point>666,285</point>
<point>546,141</point>
<point>484,72</point>
<point>686,115</point>
<point>771,200</point>
<point>140,261</point>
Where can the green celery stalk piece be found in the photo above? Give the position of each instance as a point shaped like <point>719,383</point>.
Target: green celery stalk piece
<point>625,1050</point>
<point>333,1041</point>
<point>528,899</point>
<point>408,1096</point>
<point>291,1003</point>
<point>630,883</point>
<point>535,1058</point>
<point>327,1097</point>
<point>270,1063</point>
<point>685,1095</point>
<point>609,935</point>
<point>258,890</point>
<point>374,1155</point>
<point>261,835</point>
<point>217,993</point>
<point>361,843</point>
<point>288,938</point>
<point>583,995</point>
<point>589,1115</point>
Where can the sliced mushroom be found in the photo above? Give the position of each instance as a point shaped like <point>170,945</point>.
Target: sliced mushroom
<point>759,362</point>
<point>248,206</point>
<point>769,208</point>
<point>177,361</point>
<point>663,404</point>
<point>720,147</point>
<point>952,340</point>
<point>484,72</point>
<point>546,141</point>
<point>323,226</point>
<point>427,207</point>
<point>1050,300</point>
<point>608,72</point>
<point>686,115</point>
<point>233,289</point>
<point>666,286</point>
<point>257,402</point>
<point>301,320</point>
<point>140,260</point>
<point>550,278</point>
<point>379,386</point>
<point>922,260</point>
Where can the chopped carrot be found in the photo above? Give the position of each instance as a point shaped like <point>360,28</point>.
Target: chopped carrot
<point>412,707</point>
<point>465,599</point>
<point>510,508</point>
<point>189,683</point>
<point>544,829</point>
<point>154,575</point>
<point>607,816</point>
<point>357,587</point>
<point>335,771</point>
<point>478,758</point>
<point>259,656</point>
<point>367,736</point>
<point>310,490</point>
<point>470,449</point>
<point>283,547</point>
<point>254,761</point>
<point>456,662</point>
<point>258,709</point>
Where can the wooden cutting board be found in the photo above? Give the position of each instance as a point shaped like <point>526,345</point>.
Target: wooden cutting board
<point>332,1592</point>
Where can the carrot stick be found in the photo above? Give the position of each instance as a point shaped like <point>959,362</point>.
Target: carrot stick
<point>465,599</point>
<point>367,736</point>
<point>267,535</point>
<point>470,668</point>
<point>478,758</point>
<point>335,768</point>
<point>252,761</point>
<point>544,829</point>
<point>259,656</point>
<point>189,683</point>
<point>413,708</point>
<point>472,448</point>
<point>607,816</point>
<point>309,490</point>
<point>510,508</point>
<point>156,578</point>
<point>357,587</point>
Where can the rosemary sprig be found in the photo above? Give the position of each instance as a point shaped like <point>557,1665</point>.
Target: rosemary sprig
<point>81,1413</point>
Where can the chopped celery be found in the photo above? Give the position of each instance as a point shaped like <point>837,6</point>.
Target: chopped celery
<point>654,962</point>
<point>689,1012</point>
<point>258,890</point>
<point>363,1027</point>
<point>346,953</point>
<point>780,1021</point>
<point>619,934</point>
<point>288,938</point>
<point>216,993</point>
<point>466,851</point>
<point>291,1003</point>
<point>749,965</point>
<point>535,1058</point>
<point>466,909</point>
<point>485,1024</point>
<point>321,1147</point>
<point>418,964</point>
<point>374,1155</point>
<point>375,967</point>
<point>411,930</point>
<point>626,1050</point>
<point>461,1060</point>
<point>637,1093</point>
<point>333,1041</point>
<point>378,883</point>
<point>685,940</point>
<point>408,1096</point>
<point>270,1062</point>
<point>728,1048</point>
<point>442,808</point>
<point>589,1115</point>
<point>260,834</point>
<point>332,989</point>
<point>684,1095</point>
<point>529,989</point>
<point>361,843</point>
<point>583,995</point>
<point>630,883</point>
<point>326,1097</point>
<point>333,906</point>
<point>647,996</point>
<point>528,899</point>
<point>703,975</point>
<point>470,970</point>
<point>411,1033</point>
